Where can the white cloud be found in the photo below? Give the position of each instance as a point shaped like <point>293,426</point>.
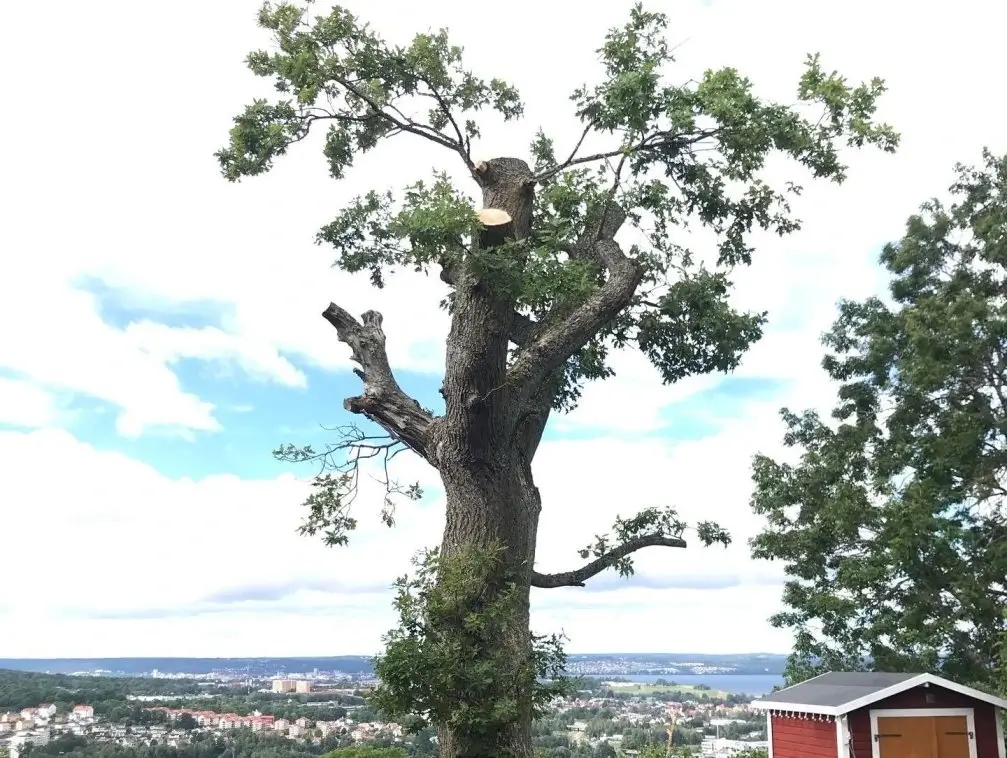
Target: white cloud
<point>130,196</point>
<point>62,343</point>
<point>193,555</point>
<point>24,404</point>
<point>144,209</point>
<point>258,358</point>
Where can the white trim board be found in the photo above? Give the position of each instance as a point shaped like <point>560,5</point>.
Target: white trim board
<point>923,680</point>
<point>842,737</point>
<point>1001,744</point>
<point>968,713</point>
<point>769,732</point>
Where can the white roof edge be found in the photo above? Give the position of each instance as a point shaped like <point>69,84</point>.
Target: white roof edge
<point>918,681</point>
<point>882,694</point>
<point>819,710</point>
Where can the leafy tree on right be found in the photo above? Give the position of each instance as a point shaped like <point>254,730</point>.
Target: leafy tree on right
<point>892,523</point>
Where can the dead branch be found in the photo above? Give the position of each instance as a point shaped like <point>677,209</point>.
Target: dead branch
<point>383,400</point>
<point>580,576</point>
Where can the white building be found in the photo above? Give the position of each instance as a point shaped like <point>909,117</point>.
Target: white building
<point>82,713</point>
<point>723,748</point>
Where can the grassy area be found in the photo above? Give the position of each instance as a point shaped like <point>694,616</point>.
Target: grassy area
<point>637,688</point>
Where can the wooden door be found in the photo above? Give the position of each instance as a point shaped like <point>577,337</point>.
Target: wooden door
<point>952,736</point>
<point>907,737</point>
<point>923,737</point>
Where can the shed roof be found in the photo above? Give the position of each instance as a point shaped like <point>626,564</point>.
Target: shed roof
<point>839,692</point>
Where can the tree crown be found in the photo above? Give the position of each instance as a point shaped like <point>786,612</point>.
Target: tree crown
<point>679,154</point>
<point>892,524</point>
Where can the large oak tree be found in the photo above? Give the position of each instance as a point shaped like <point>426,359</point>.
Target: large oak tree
<point>892,523</point>
<point>542,289</point>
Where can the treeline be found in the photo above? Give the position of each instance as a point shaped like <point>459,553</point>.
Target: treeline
<point>110,697</point>
<point>673,692</point>
<point>549,740</point>
<point>238,744</point>
<point>25,689</point>
<point>258,745</point>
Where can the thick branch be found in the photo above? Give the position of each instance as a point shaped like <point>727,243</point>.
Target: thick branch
<point>580,576</point>
<point>558,341</point>
<point>383,401</point>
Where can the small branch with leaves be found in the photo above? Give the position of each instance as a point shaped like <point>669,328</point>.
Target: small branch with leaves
<point>652,527</point>
<point>335,486</point>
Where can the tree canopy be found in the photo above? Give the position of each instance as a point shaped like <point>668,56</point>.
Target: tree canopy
<point>540,293</point>
<point>892,523</point>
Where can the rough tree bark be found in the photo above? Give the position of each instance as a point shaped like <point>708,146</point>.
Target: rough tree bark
<point>495,414</point>
<point>491,498</point>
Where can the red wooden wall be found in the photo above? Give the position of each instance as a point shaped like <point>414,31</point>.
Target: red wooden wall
<point>985,717</point>
<point>804,737</point>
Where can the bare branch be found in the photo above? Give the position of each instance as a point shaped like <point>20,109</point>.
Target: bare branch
<point>573,154</point>
<point>463,141</point>
<point>580,576</point>
<point>401,122</point>
<point>383,400</point>
<point>664,141</point>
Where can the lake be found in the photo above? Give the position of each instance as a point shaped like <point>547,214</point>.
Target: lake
<point>747,684</point>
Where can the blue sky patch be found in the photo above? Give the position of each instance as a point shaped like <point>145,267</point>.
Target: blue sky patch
<point>121,307</point>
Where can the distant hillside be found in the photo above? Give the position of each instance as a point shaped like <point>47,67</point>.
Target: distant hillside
<point>602,663</point>
<point>21,689</point>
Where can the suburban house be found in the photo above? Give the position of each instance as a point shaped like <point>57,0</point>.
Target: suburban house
<point>82,712</point>
<point>878,715</point>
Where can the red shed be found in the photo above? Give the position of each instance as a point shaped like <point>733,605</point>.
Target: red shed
<point>878,715</point>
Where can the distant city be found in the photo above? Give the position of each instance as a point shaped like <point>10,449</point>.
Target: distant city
<point>358,667</point>
<point>305,707</point>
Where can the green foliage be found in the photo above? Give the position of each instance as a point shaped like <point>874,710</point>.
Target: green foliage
<point>445,664</point>
<point>681,155</point>
<point>434,219</point>
<point>334,488</point>
<point>336,70</point>
<point>892,525</point>
<point>27,689</point>
<point>650,522</point>
<point>366,751</point>
<point>283,707</point>
<point>239,744</point>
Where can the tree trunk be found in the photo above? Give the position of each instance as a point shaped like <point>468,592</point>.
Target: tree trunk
<point>489,506</point>
<point>492,501</point>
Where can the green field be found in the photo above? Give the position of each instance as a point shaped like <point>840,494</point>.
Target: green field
<point>636,688</point>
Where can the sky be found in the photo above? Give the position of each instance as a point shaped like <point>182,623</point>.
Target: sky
<point>162,332</point>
